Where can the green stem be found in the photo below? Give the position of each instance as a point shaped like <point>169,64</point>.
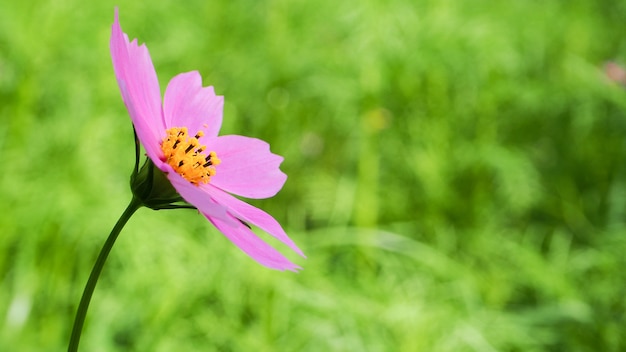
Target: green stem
<point>95,273</point>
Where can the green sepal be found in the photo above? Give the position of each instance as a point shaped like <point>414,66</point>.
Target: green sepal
<point>151,186</point>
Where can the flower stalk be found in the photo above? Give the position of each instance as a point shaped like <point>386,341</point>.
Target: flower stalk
<point>81,313</point>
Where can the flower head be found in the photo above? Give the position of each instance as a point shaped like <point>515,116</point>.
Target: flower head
<point>180,136</point>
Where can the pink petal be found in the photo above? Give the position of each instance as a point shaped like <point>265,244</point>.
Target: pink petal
<point>256,216</point>
<point>188,104</point>
<point>253,246</point>
<point>248,167</point>
<point>140,88</point>
<point>197,197</point>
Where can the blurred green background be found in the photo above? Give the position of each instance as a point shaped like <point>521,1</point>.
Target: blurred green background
<point>456,177</point>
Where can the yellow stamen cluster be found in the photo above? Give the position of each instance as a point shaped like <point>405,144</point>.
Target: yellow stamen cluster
<point>186,156</point>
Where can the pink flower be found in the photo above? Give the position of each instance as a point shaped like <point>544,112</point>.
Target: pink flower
<point>180,138</point>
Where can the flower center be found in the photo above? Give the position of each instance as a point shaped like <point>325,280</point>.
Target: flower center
<point>186,156</point>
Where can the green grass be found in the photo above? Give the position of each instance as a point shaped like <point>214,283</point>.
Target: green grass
<point>456,177</point>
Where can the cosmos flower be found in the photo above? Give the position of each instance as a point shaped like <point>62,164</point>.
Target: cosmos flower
<point>615,72</point>
<point>180,136</point>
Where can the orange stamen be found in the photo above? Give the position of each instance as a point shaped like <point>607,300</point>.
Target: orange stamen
<point>186,156</point>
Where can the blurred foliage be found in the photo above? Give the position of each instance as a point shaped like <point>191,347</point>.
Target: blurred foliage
<point>455,173</point>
